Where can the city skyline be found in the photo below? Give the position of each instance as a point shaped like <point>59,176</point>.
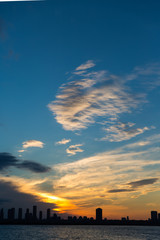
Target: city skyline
<point>38,217</point>
<point>79,102</point>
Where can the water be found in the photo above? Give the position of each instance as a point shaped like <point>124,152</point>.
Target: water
<point>9,232</point>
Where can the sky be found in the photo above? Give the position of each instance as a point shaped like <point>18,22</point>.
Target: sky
<point>79,106</point>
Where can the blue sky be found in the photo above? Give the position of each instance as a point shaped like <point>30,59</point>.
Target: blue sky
<point>79,86</point>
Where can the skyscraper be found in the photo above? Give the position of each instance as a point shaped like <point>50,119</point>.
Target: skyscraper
<point>40,215</point>
<point>1,214</point>
<point>154,216</point>
<point>48,213</point>
<point>20,214</point>
<point>34,212</point>
<point>99,214</point>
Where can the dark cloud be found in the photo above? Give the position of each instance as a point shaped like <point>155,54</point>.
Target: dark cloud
<point>33,166</point>
<point>7,160</point>
<point>142,182</point>
<point>120,190</point>
<point>134,185</point>
<point>13,198</point>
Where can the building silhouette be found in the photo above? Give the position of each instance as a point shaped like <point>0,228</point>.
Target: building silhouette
<point>32,218</point>
<point>27,215</point>
<point>48,213</point>
<point>40,215</point>
<point>1,214</point>
<point>99,214</point>
<point>154,217</point>
<point>34,213</point>
<point>20,214</point>
<point>11,214</point>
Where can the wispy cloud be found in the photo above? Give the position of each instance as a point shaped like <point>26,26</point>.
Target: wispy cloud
<point>96,94</point>
<point>108,179</point>
<point>86,65</point>
<point>63,141</point>
<point>128,173</point>
<point>74,149</point>
<point>92,96</point>
<point>21,151</point>
<point>33,143</point>
<point>123,131</point>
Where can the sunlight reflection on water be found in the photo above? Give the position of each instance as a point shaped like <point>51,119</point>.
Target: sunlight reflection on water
<point>79,232</point>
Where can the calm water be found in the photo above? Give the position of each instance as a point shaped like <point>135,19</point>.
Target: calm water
<point>79,232</point>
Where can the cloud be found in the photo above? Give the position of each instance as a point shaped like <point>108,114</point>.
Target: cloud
<point>22,150</point>
<point>97,180</point>
<point>123,131</point>
<point>33,143</point>
<point>63,141</point>
<point>149,74</point>
<point>143,182</point>
<point>135,185</point>
<point>13,197</point>
<point>97,94</point>
<point>148,141</point>
<point>34,167</point>
<point>29,187</point>
<point>86,65</point>
<point>73,149</point>
<point>7,160</point>
<point>120,190</point>
<point>90,96</point>
<point>109,173</point>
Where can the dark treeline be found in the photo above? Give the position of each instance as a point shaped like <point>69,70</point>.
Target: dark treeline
<point>35,217</point>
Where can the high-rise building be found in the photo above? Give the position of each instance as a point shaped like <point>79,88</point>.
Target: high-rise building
<point>34,212</point>
<point>20,214</point>
<point>99,214</point>
<point>11,214</point>
<point>27,214</point>
<point>1,214</point>
<point>154,216</point>
<point>40,215</point>
<point>48,213</point>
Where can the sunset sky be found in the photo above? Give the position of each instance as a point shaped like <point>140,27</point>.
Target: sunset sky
<point>79,106</point>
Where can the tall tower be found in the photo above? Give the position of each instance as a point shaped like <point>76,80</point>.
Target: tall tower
<point>1,214</point>
<point>48,213</point>
<point>40,215</point>
<point>34,212</point>
<point>20,214</point>
<point>99,214</point>
<point>154,216</point>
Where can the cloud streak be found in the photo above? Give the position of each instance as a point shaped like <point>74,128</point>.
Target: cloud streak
<point>7,160</point>
<point>33,143</point>
<point>143,182</point>
<point>135,185</point>
<point>74,149</point>
<point>123,131</point>
<point>86,65</point>
<point>63,141</point>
